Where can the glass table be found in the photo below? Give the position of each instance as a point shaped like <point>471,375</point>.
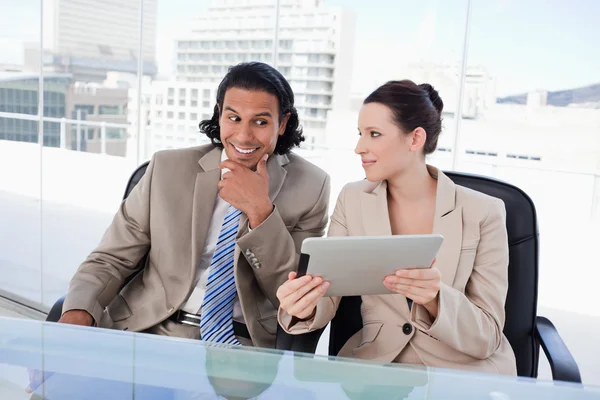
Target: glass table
<point>92,363</point>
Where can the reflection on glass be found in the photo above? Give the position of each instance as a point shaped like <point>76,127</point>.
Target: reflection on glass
<point>91,363</point>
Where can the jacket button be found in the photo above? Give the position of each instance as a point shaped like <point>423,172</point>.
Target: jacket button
<point>407,329</point>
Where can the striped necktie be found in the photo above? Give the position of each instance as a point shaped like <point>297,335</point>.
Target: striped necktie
<point>217,307</point>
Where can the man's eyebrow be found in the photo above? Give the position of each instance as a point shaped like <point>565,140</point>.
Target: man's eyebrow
<point>264,114</point>
<point>231,109</point>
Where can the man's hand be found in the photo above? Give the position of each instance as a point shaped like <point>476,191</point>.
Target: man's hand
<point>247,190</point>
<point>77,317</point>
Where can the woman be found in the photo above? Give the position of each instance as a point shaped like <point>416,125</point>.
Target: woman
<point>450,315</point>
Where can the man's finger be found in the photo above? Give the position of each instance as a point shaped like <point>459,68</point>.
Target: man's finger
<point>261,168</point>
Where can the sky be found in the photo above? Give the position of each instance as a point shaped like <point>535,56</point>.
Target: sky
<point>524,44</point>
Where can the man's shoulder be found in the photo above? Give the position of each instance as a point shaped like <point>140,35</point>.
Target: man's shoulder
<point>307,169</point>
<point>183,155</point>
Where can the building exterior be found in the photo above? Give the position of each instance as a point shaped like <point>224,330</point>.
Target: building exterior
<point>87,38</point>
<point>314,51</point>
<point>70,106</point>
<point>19,94</point>
<point>170,114</point>
<point>97,103</point>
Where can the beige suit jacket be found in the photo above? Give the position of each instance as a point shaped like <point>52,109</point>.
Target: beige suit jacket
<point>473,261</point>
<point>168,214</point>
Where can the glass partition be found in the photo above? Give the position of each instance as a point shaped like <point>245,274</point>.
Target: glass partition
<point>20,175</point>
<point>92,363</point>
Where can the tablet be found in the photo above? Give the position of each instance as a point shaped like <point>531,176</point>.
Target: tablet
<point>357,265</point>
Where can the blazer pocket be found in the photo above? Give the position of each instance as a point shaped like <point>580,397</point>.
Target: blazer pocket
<point>370,331</point>
<point>118,310</point>
<point>269,324</point>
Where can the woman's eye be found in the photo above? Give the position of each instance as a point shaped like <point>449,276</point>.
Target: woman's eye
<point>375,134</point>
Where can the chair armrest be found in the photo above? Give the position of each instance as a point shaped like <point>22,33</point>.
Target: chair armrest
<point>305,343</point>
<point>562,363</point>
<point>56,310</point>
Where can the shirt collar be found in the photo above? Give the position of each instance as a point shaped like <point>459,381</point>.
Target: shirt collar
<point>223,158</point>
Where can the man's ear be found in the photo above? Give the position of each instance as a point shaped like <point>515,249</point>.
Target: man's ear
<point>284,123</point>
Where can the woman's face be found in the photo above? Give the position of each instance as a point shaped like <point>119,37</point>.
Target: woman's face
<point>385,150</point>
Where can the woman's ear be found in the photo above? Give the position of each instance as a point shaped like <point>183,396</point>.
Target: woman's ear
<point>419,138</point>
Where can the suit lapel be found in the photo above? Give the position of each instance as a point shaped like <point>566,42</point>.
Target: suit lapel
<point>448,223</point>
<point>374,210</point>
<point>205,194</point>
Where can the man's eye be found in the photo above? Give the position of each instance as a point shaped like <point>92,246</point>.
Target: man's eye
<point>261,122</point>
<point>234,118</point>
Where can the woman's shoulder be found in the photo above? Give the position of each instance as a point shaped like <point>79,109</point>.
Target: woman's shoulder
<point>362,186</point>
<point>477,204</point>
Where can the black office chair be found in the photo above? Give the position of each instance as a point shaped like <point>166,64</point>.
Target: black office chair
<point>523,328</point>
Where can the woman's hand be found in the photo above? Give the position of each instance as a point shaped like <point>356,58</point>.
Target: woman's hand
<point>299,297</point>
<point>422,286</point>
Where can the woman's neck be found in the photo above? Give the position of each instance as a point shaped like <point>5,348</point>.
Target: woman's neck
<point>413,185</point>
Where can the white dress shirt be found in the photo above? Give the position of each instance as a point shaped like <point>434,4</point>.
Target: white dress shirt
<point>194,302</point>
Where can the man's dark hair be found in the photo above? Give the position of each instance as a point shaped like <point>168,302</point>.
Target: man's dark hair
<point>257,76</point>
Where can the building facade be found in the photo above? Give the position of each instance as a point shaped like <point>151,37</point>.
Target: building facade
<point>87,38</point>
<point>314,51</point>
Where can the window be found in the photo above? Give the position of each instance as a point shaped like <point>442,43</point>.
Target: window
<point>181,115</point>
<point>110,110</point>
<point>193,116</point>
<point>116,133</point>
<point>86,108</point>
<point>170,114</point>
<point>206,93</point>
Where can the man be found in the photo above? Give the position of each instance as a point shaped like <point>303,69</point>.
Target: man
<point>222,225</point>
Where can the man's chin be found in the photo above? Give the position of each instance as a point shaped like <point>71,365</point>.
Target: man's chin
<point>248,163</point>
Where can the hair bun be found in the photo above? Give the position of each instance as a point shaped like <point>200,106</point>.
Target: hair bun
<point>434,96</point>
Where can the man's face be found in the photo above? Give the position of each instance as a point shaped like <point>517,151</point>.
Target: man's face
<point>250,125</point>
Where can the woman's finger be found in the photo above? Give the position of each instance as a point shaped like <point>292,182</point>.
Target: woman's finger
<point>311,298</point>
<point>295,296</point>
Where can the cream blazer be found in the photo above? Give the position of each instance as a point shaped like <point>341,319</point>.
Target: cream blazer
<point>473,261</point>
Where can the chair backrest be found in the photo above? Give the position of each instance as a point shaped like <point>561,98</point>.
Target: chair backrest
<point>134,180</point>
<point>521,301</point>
